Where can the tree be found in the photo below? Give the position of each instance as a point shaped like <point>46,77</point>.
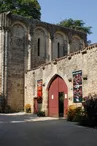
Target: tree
<point>76,24</point>
<point>28,8</point>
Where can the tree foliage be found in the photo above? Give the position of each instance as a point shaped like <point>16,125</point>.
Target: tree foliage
<point>26,8</point>
<point>76,24</point>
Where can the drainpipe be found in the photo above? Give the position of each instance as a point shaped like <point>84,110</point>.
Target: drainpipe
<point>4,71</point>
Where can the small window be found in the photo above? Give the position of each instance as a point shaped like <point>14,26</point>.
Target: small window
<point>58,49</point>
<point>38,52</point>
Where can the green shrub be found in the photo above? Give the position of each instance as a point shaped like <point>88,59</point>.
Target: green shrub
<point>90,107</point>
<point>28,108</point>
<point>86,117</point>
<point>41,114</point>
<point>74,114</point>
<point>78,114</point>
<point>8,109</point>
<point>83,120</point>
<point>70,114</point>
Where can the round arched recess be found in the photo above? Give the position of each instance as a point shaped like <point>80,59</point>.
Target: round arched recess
<point>47,34</point>
<point>60,45</point>
<point>41,39</point>
<point>65,37</point>
<point>20,24</point>
<point>57,97</point>
<point>76,44</point>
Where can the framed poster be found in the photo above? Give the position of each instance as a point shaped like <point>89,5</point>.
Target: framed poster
<point>39,90</point>
<point>77,86</point>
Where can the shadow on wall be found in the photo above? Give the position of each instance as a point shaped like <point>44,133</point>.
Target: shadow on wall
<point>4,108</point>
<point>2,103</point>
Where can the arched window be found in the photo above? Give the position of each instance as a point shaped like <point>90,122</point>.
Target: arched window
<point>40,43</point>
<point>38,47</point>
<point>59,45</point>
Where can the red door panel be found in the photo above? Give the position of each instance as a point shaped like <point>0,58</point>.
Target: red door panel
<point>35,105</point>
<point>57,85</point>
<point>53,98</point>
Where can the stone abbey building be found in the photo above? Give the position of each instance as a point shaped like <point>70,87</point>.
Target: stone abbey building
<point>44,65</point>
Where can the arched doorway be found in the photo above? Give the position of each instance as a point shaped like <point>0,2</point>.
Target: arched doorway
<point>57,97</point>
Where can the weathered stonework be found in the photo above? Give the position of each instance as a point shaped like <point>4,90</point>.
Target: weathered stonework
<point>31,50</point>
<point>64,67</point>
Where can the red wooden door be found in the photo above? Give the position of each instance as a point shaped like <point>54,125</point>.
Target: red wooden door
<point>57,85</point>
<point>35,105</point>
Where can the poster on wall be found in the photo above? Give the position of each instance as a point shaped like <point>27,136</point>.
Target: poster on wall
<point>77,86</point>
<point>39,91</point>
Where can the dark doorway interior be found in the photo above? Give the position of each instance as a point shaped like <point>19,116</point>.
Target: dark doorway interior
<point>61,104</point>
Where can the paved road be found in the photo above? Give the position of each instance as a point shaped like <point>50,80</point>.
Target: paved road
<point>17,117</point>
<point>44,133</point>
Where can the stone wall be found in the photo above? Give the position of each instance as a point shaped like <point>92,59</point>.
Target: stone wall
<point>55,42</point>
<point>19,48</point>
<point>85,60</point>
<point>16,66</point>
<point>43,39</point>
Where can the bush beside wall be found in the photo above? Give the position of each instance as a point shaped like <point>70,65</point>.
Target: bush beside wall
<point>86,116</point>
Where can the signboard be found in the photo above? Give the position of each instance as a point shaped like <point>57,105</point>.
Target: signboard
<point>77,86</point>
<point>39,90</point>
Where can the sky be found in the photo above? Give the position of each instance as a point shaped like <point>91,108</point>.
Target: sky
<point>54,11</point>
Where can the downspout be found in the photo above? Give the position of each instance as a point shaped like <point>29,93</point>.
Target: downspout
<point>4,75</point>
